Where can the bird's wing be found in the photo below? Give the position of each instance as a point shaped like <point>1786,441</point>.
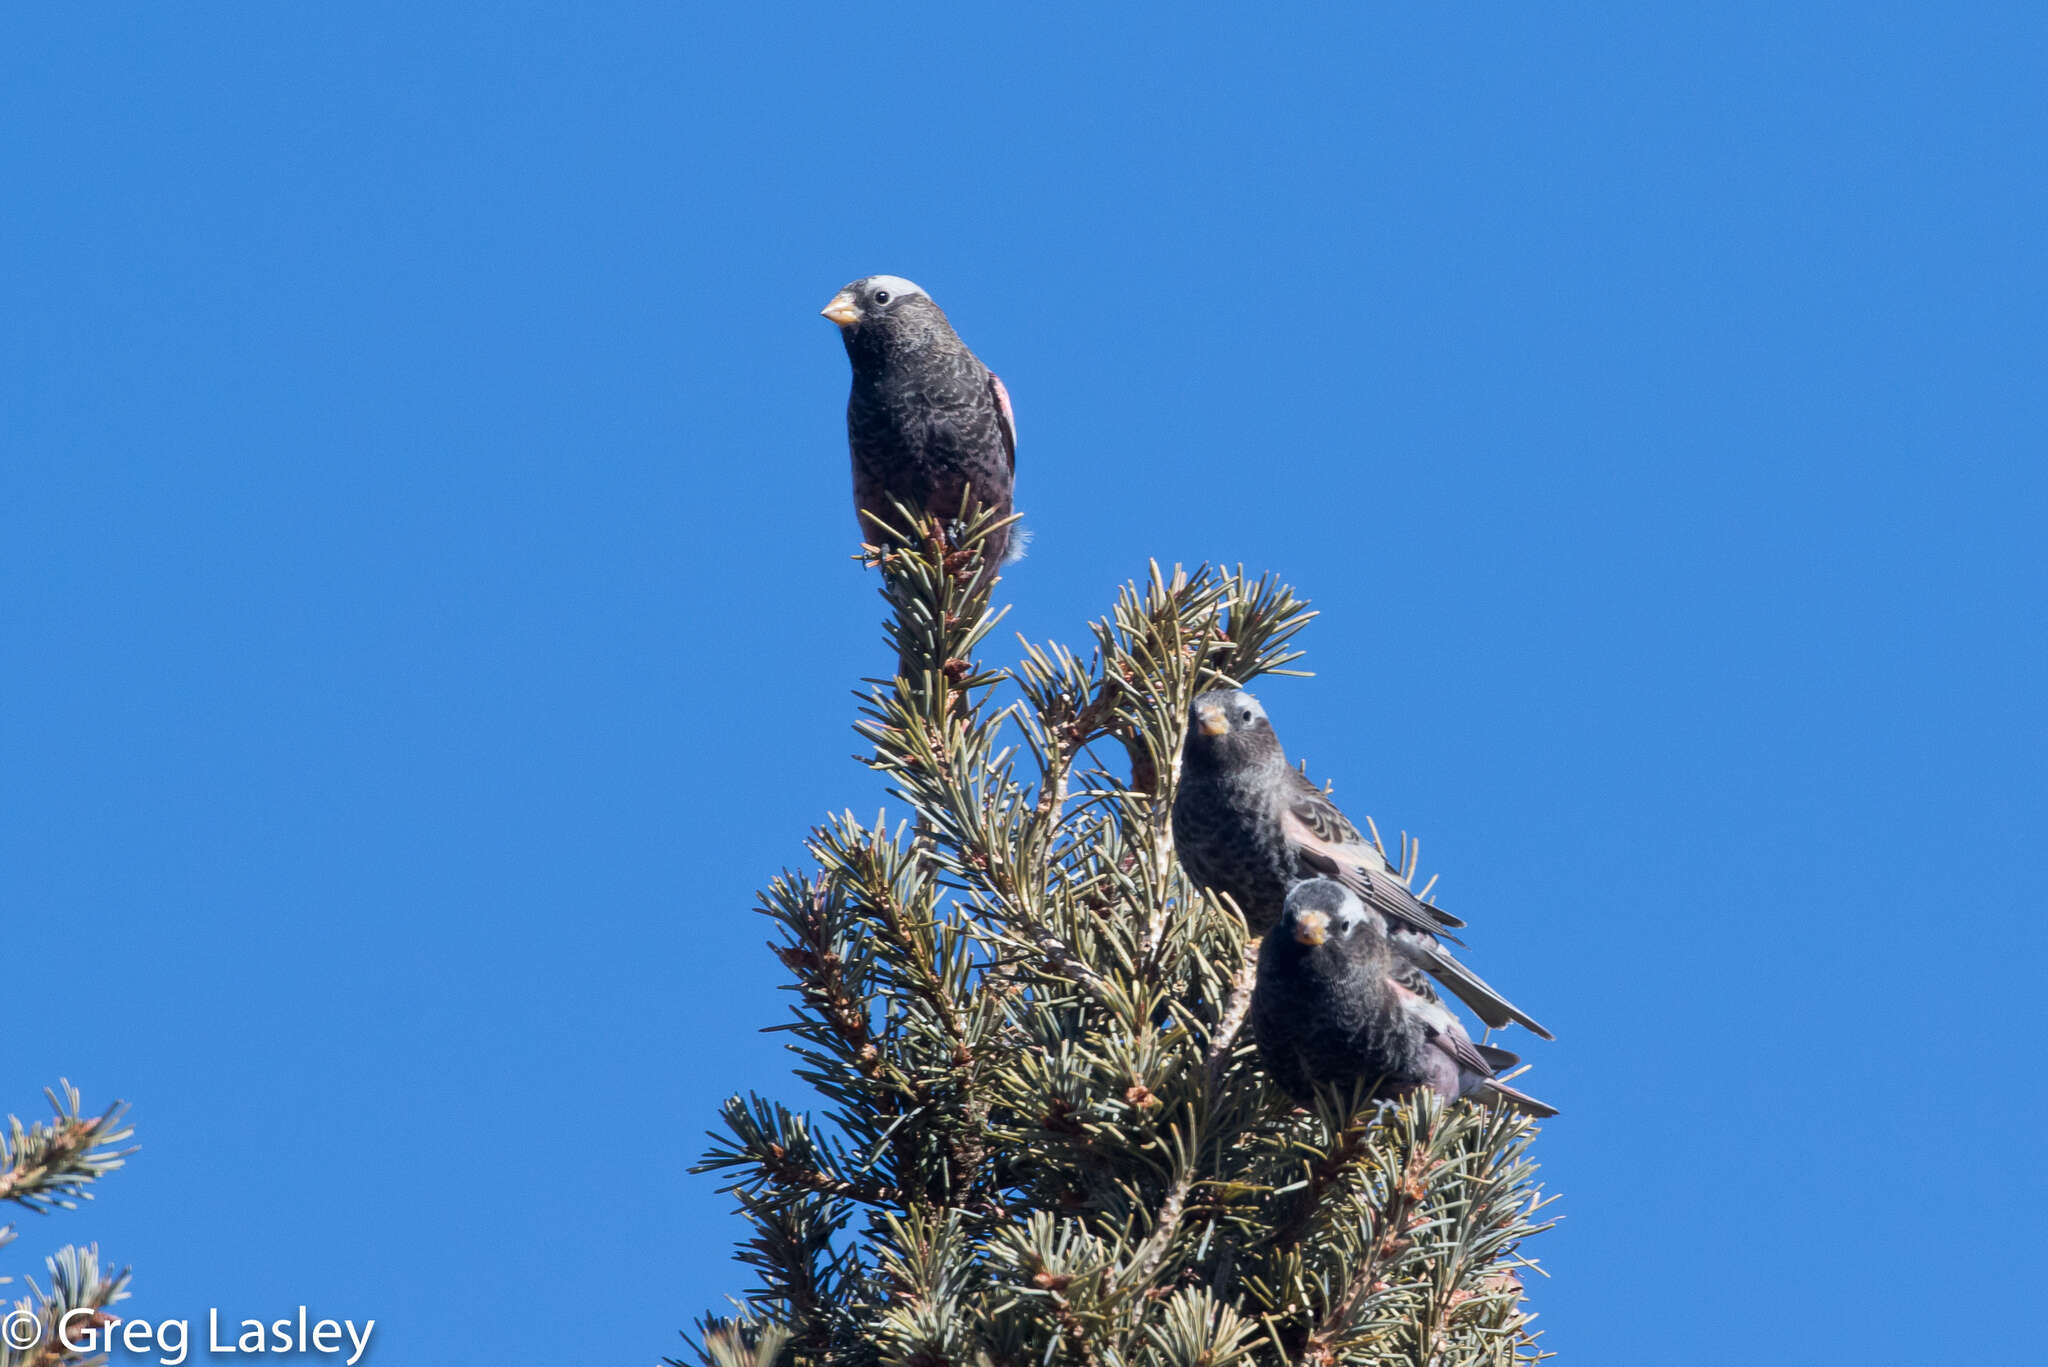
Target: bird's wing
<point>1330,844</point>
<point>1442,1029</point>
<point>1311,806</point>
<point>1469,988</point>
<point>1008,416</point>
<point>1446,1034</point>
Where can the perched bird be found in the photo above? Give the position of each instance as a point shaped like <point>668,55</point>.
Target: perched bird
<point>927,422</point>
<point>1330,1008</point>
<point>1247,823</point>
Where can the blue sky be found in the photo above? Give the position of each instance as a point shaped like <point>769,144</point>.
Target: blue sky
<point>428,612</point>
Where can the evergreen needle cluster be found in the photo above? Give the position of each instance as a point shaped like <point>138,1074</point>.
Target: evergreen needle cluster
<point>50,1165</point>
<point>1043,1135</point>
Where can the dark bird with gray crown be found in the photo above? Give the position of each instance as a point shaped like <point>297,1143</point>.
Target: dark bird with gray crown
<point>928,424</point>
<point>1247,823</point>
<point>1330,1009</point>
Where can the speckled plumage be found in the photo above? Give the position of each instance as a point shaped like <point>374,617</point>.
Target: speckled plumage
<point>926,422</point>
<point>1329,1008</point>
<point>1248,824</point>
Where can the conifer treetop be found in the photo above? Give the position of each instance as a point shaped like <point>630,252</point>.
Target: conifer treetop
<point>1041,1133</point>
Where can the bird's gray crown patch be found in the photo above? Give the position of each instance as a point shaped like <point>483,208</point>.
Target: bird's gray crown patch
<point>895,284</point>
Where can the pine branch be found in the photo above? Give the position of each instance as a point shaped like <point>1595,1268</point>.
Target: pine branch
<point>50,1163</point>
<point>77,1283</point>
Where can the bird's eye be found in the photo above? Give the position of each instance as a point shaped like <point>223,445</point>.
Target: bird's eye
<point>881,296</point>
<point>1245,715</point>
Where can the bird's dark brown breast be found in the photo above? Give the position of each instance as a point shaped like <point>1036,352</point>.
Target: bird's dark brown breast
<point>1319,1022</point>
<point>924,430</point>
<point>1229,840</point>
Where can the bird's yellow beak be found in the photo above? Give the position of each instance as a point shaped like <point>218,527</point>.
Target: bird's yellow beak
<point>842,309</point>
<point>1211,720</point>
<point>1312,927</point>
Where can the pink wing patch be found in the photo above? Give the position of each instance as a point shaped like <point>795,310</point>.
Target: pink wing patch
<point>995,383</point>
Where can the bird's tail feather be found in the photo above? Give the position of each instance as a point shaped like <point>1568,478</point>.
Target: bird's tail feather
<point>1500,1060</point>
<point>1494,1090</point>
<point>1469,988</point>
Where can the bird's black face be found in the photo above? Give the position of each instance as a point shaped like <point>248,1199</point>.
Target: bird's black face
<point>874,302</point>
<point>1320,911</point>
<point>1227,726</point>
